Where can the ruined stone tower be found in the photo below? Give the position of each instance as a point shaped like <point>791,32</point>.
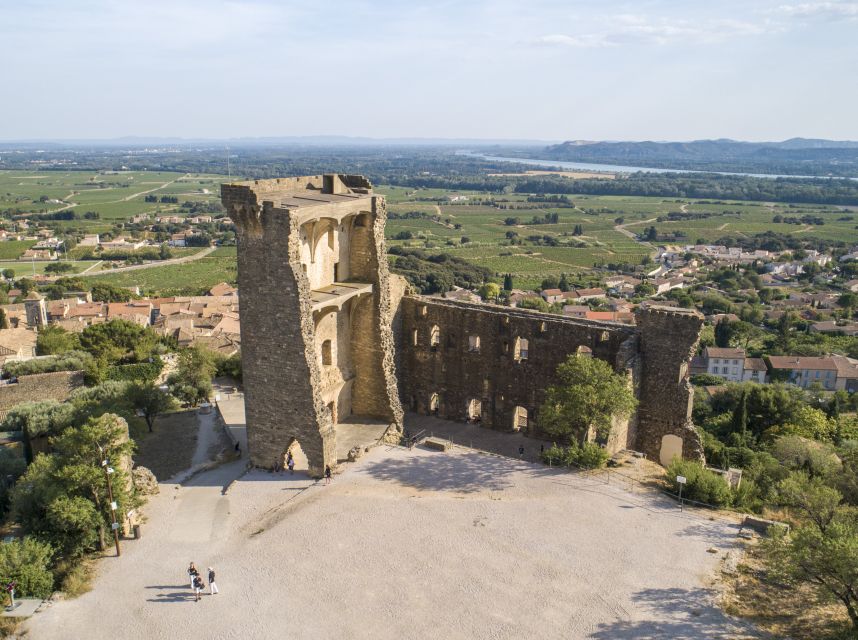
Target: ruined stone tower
<point>316,312</point>
<point>319,313</point>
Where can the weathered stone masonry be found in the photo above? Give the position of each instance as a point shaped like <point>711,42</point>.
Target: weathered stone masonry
<point>316,312</point>
<point>324,329</point>
<point>477,368</point>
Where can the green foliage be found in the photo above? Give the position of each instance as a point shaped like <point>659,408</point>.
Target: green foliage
<point>229,367</point>
<point>149,401</point>
<point>54,340</point>
<point>46,417</point>
<point>139,371</point>
<point>701,485</point>
<point>48,499</point>
<point>104,292</point>
<point>191,383</point>
<point>119,341</point>
<point>821,550</point>
<point>589,394</point>
<point>706,380</point>
<point>489,291</point>
<point>27,563</point>
<point>436,273</point>
<point>584,456</point>
<point>68,361</point>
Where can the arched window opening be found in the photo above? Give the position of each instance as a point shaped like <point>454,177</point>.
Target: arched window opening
<point>474,343</point>
<point>327,359</point>
<point>360,221</point>
<point>519,419</point>
<point>435,336</point>
<point>475,410</point>
<point>434,403</point>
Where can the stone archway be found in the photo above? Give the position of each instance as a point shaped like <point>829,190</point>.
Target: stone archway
<point>671,447</point>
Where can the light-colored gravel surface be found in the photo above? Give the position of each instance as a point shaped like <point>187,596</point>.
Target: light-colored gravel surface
<point>408,545</point>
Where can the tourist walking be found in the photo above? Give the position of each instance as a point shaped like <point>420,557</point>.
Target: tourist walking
<point>198,587</point>
<point>290,462</point>
<point>212,586</point>
<point>327,474</point>
<point>192,573</point>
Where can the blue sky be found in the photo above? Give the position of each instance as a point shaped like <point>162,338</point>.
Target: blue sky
<point>543,69</point>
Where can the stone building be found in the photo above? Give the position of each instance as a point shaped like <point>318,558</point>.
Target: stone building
<point>329,334</point>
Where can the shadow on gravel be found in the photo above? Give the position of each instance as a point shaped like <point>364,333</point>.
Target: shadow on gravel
<point>467,473</point>
<point>179,596</point>
<point>685,614</point>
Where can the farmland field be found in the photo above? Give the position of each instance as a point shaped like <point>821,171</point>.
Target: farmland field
<point>473,227</point>
<point>188,278</point>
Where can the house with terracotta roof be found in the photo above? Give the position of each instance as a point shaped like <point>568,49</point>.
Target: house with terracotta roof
<point>138,311</point>
<point>551,295</point>
<point>805,371</point>
<point>223,289</point>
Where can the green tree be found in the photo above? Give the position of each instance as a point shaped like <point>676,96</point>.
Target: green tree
<point>9,274</point>
<point>507,282</point>
<point>563,283</point>
<point>103,292</point>
<point>723,333</point>
<point>59,267</point>
<point>27,563</point>
<point>821,549</point>
<point>53,340</point>
<point>4,321</point>
<point>192,381</point>
<point>489,291</point>
<point>149,401</point>
<point>588,395</point>
<point>118,340</point>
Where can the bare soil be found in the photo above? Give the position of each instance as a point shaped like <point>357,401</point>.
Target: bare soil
<point>170,448</point>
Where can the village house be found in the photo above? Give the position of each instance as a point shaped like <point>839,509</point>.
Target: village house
<point>804,371</point>
<point>727,363</point>
<point>223,289</point>
<point>832,327</point>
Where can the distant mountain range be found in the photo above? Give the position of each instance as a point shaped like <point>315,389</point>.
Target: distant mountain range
<point>796,156</point>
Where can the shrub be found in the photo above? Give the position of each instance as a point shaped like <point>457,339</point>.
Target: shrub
<point>70,361</point>
<point>701,484</point>
<point>26,562</point>
<point>588,456</point>
<point>140,371</point>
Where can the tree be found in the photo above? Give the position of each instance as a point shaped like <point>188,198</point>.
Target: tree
<point>149,400</point>
<point>4,321</point>
<point>9,274</point>
<point>507,282</point>
<point>192,381</point>
<point>822,548</point>
<point>26,562</point>
<point>53,340</point>
<point>723,334</point>
<point>563,283</point>
<point>489,291</point>
<point>102,292</point>
<point>118,340</point>
<point>59,267</point>
<point>588,396</point>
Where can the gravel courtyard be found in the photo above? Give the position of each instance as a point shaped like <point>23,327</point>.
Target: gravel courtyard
<point>408,544</point>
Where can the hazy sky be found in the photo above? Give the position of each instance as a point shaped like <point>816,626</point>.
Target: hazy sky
<point>545,69</point>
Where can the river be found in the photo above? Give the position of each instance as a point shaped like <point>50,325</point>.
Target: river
<point>616,168</point>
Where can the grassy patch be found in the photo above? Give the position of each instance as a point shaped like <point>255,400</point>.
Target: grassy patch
<point>11,249</point>
<point>189,278</point>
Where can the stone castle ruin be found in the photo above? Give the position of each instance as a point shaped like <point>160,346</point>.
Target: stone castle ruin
<point>329,336</point>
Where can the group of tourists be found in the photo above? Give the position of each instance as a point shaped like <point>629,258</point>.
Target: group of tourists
<point>290,464</point>
<point>197,584</point>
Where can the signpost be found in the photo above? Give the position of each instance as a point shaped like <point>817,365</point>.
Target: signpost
<point>681,480</point>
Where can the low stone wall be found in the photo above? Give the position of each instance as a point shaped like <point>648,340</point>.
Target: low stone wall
<point>458,360</point>
<point>480,365</point>
<point>39,386</point>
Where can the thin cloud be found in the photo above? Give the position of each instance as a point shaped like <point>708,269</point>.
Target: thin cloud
<point>821,9</point>
<point>627,29</point>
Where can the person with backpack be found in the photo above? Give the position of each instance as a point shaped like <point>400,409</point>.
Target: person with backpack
<point>212,586</point>
<point>198,587</point>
